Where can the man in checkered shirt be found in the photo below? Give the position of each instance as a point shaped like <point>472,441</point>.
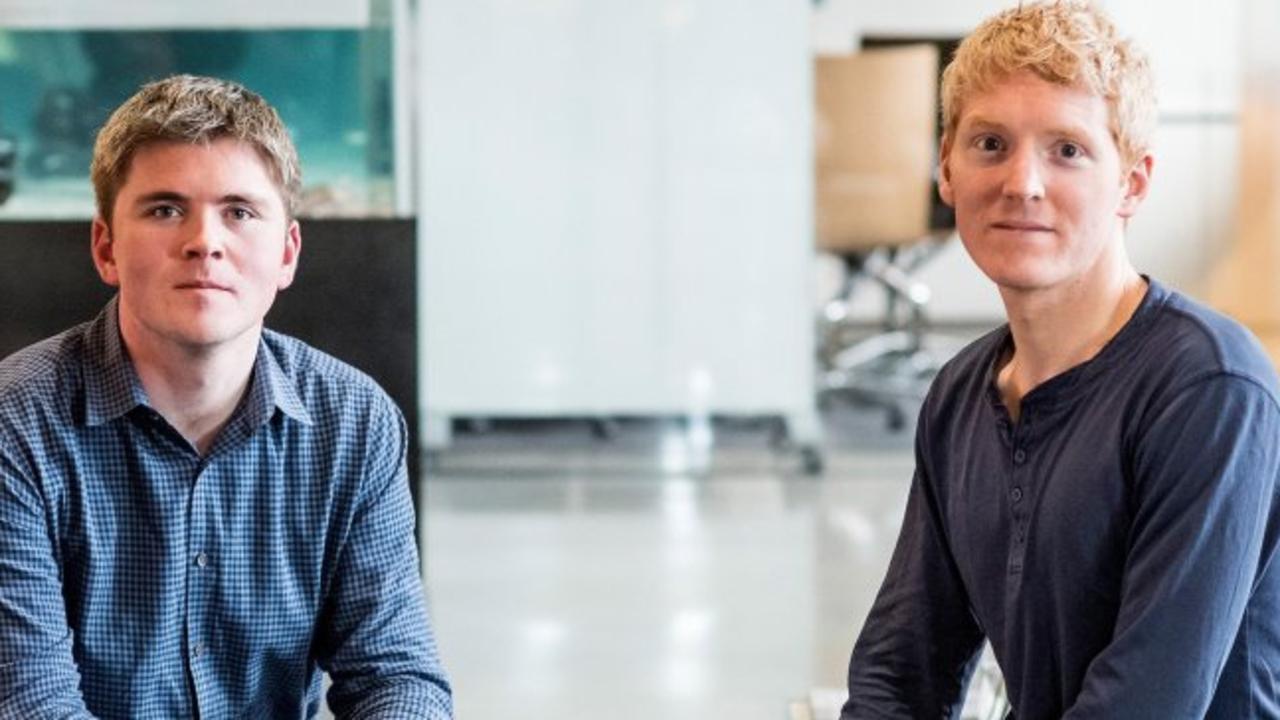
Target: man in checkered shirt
<point>198,515</point>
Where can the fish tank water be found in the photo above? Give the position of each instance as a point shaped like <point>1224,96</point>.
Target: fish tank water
<point>332,86</point>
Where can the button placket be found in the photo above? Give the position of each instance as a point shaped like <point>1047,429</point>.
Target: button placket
<point>199,577</point>
<point>1017,506</point>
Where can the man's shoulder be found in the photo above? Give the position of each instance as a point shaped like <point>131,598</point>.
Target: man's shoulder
<point>323,382</point>
<point>968,369</point>
<point>961,383</point>
<point>339,402</point>
<point>974,357</point>
<point>38,373</point>
<point>1188,341</point>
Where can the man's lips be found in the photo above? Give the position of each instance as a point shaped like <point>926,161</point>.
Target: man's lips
<point>202,285</point>
<point>1021,226</point>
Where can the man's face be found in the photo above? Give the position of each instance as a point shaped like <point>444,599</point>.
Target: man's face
<point>1037,183</point>
<point>199,244</point>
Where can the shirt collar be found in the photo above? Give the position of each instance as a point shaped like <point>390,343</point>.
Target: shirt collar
<point>1059,390</point>
<point>270,389</point>
<point>112,387</point>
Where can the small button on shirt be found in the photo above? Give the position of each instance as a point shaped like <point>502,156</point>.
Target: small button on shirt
<point>1117,545</point>
<point>139,579</point>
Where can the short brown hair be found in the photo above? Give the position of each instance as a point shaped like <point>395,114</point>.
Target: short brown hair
<point>192,109</point>
<point>1067,42</point>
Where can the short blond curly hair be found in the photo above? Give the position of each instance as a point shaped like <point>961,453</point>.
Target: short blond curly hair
<point>192,109</point>
<point>1067,42</point>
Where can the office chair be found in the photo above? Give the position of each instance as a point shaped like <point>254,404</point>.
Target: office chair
<point>875,136</point>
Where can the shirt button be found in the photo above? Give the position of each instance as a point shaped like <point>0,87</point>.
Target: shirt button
<point>197,650</point>
<point>1019,456</point>
<point>1016,494</point>
<point>202,560</point>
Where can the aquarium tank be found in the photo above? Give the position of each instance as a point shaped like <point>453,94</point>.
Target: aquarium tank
<point>333,86</point>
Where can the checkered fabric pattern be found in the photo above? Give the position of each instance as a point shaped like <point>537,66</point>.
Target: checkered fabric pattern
<point>139,579</point>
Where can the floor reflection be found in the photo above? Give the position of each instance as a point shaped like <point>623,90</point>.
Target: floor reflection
<point>575,578</point>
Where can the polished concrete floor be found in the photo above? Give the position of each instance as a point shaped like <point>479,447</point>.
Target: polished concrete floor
<point>573,577</point>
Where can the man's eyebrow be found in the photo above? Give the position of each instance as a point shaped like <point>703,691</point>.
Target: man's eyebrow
<point>160,196</point>
<point>984,123</point>
<point>1075,132</point>
<point>242,199</point>
<point>1071,131</point>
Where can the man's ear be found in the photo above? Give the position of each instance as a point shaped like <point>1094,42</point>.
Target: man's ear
<point>1136,184</point>
<point>289,260</point>
<point>104,252</point>
<point>944,173</point>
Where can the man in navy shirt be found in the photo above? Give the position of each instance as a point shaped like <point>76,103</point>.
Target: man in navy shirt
<point>1095,490</point>
<point>197,515</point>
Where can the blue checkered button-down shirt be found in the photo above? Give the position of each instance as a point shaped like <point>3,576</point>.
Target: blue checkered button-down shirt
<point>139,579</point>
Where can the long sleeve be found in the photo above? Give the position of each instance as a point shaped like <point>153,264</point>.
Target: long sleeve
<point>376,640</point>
<point>38,674</point>
<point>918,647</point>
<point>1203,534</point>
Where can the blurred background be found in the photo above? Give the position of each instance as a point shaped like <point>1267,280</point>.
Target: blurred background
<point>659,285</point>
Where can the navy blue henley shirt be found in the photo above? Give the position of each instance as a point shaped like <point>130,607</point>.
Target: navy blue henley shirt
<point>1116,545</point>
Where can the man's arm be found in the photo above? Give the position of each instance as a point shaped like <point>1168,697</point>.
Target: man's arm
<point>38,675</point>
<point>918,647</point>
<point>376,640</point>
<point>1205,481</point>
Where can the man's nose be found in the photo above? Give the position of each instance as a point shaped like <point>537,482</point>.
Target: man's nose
<point>1024,179</point>
<point>205,236</point>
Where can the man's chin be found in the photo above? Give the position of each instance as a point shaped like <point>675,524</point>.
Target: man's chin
<point>1024,280</point>
<point>208,338</point>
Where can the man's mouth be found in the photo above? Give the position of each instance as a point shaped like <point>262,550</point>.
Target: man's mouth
<point>1021,226</point>
<point>202,285</point>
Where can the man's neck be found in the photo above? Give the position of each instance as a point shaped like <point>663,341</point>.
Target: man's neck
<point>1054,330</point>
<point>195,389</point>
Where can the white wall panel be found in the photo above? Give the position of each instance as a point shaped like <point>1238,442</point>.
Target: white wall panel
<point>1195,51</point>
<point>924,18</point>
<point>615,207</point>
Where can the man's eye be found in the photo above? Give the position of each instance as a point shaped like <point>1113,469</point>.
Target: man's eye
<point>163,211</point>
<point>240,213</point>
<point>989,143</point>
<point>1070,151</point>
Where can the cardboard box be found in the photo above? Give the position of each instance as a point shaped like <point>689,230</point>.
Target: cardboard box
<point>874,146</point>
